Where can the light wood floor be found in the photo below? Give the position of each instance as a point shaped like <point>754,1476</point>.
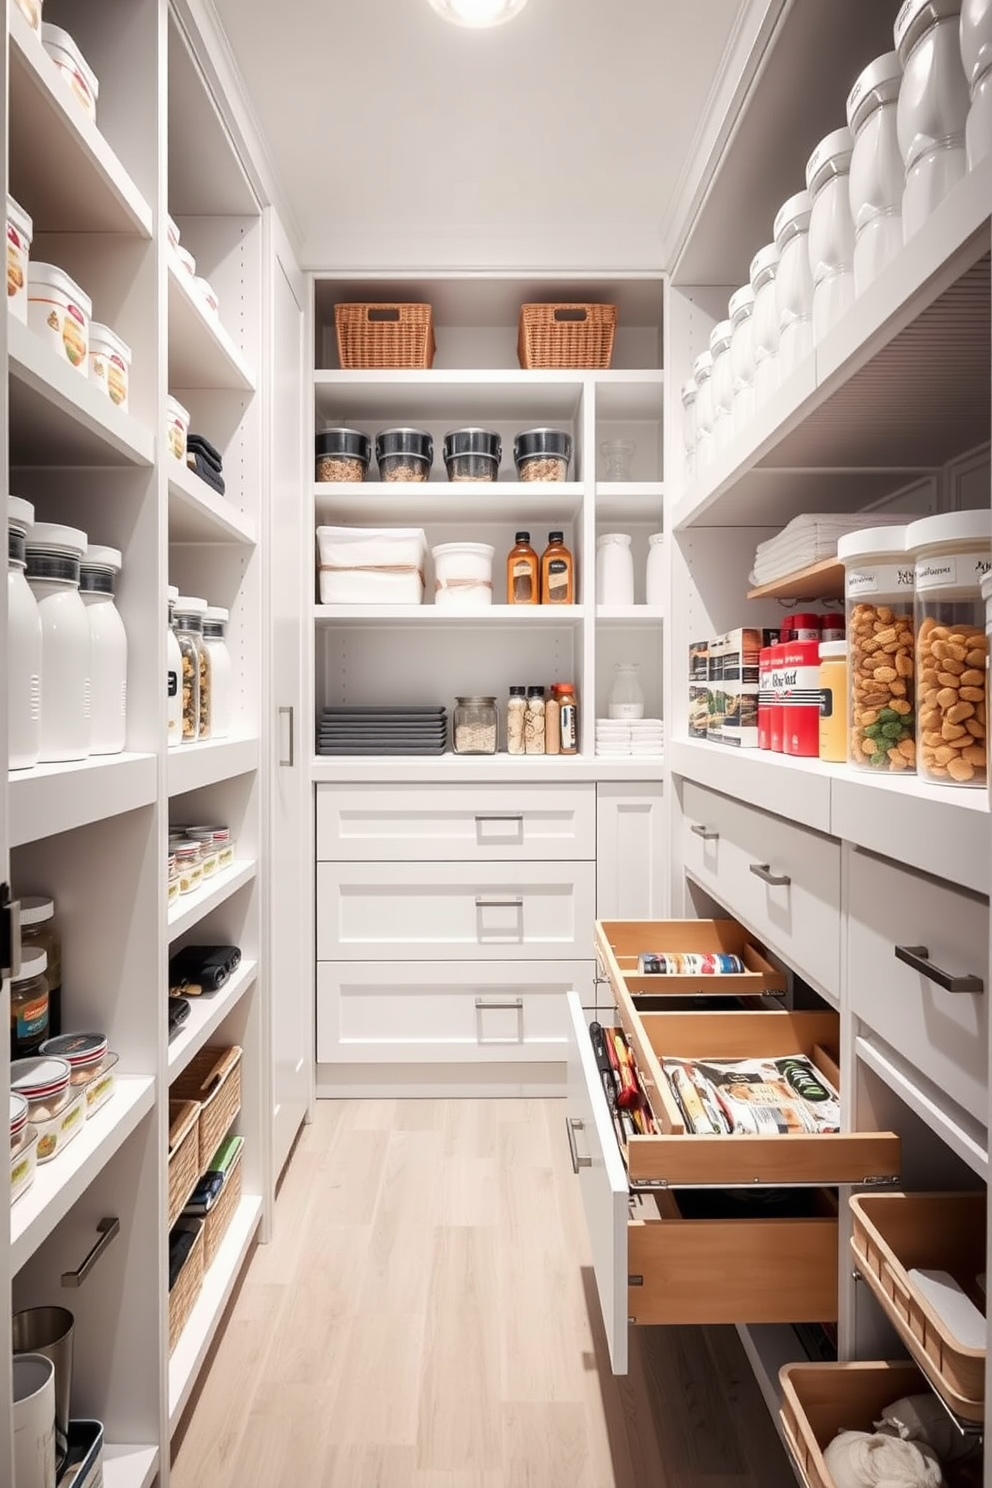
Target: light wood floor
<point>426,1318</point>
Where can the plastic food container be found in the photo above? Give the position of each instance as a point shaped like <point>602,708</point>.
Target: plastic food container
<point>76,72</point>
<point>59,1131</point>
<point>219,839</point>
<point>463,575</point>
<point>764,271</point>
<point>20,230</point>
<point>831,230</point>
<point>80,1050</point>
<point>472,454</point>
<point>371,565</point>
<point>404,454</point>
<point>875,183</point>
<point>207,294</point>
<point>98,1083</point>
<point>172,231</point>
<point>933,106</point>
<point>690,392</point>
<point>722,384</point>
<point>953,554</point>
<point>23,1162</point>
<point>60,312</point>
<point>878,588</point>
<point>110,363</point>
<point>542,454</point>
<point>177,427</point>
<point>614,569</point>
<point>43,1080</point>
<point>187,260</point>
<point>702,372</point>
<point>189,866</point>
<point>976,55</point>
<point>173,884</point>
<point>18,1116</point>
<point>31,11</point>
<point>342,455</point>
<point>793,283</point>
<point>833,701</point>
<point>741,312</point>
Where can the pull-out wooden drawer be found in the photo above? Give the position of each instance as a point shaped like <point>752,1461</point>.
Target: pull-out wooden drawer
<point>458,822</point>
<point>820,1400</point>
<point>921,1005</point>
<point>447,911</point>
<point>621,943</point>
<point>783,881</point>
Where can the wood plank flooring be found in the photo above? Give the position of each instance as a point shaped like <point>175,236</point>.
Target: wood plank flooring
<point>426,1317</point>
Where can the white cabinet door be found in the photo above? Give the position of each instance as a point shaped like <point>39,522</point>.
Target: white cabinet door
<point>631,852</point>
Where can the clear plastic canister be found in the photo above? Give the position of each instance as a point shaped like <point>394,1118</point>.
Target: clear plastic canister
<point>741,311</point>
<point>876,179</point>
<point>933,106</point>
<point>764,269</point>
<point>793,283</point>
<point>831,230</point>
<point>689,394</point>
<point>976,55</point>
<point>53,555</point>
<point>723,384</point>
<point>188,630</point>
<point>23,645</point>
<point>953,553</point>
<point>878,588</point>
<point>702,371</point>
<point>215,622</point>
<point>174,668</point>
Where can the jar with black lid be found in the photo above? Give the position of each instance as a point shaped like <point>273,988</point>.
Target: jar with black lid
<point>472,454</point>
<point>29,1003</point>
<point>542,454</point>
<point>404,454</point>
<point>39,928</point>
<point>342,455</point>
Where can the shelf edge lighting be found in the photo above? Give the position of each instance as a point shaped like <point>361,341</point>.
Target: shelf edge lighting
<point>478,13</point>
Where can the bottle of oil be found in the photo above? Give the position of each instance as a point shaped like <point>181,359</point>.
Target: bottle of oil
<point>523,573</point>
<point>557,572</point>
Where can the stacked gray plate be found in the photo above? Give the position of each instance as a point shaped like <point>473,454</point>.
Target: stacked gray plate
<point>387,729</point>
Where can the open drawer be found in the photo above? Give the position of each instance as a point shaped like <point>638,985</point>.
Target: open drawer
<point>619,943</point>
<point>819,1400</point>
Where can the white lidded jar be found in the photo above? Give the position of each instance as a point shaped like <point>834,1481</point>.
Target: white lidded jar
<point>108,650</point>
<point>60,312</point>
<point>614,569</point>
<point>173,672</point>
<point>54,554</point>
<point>23,645</point>
<point>875,182</point>
<point>20,230</point>
<point>723,384</point>
<point>215,622</point>
<point>793,283</point>
<point>626,695</point>
<point>764,270</point>
<point>933,106</point>
<point>702,371</point>
<point>689,394</point>
<point>741,310</point>
<point>831,230</point>
<point>655,577</point>
<point>976,55</point>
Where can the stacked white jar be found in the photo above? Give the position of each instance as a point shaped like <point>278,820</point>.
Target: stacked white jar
<point>933,106</point>
<point>741,309</point>
<point>831,230</point>
<point>764,269</point>
<point>23,645</point>
<point>689,394</point>
<point>614,569</point>
<point>108,650</point>
<point>173,672</point>
<point>702,371</point>
<point>19,233</point>
<point>723,384</point>
<point>654,577</point>
<point>54,554</point>
<point>793,283</point>
<point>976,55</point>
<point>215,621</point>
<point>876,177</point>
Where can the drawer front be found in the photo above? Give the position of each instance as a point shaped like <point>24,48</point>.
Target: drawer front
<point>783,881</point>
<point>457,822</point>
<point>445,1012</point>
<point>943,1034</point>
<point>410,912</point>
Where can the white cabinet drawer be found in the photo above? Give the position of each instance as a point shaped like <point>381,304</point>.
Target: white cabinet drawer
<point>457,822</point>
<point>781,880</point>
<point>943,1034</point>
<point>445,911</point>
<point>447,1011</point>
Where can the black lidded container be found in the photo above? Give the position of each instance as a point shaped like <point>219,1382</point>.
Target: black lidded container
<point>472,454</point>
<point>342,455</point>
<point>404,454</point>
<point>542,454</point>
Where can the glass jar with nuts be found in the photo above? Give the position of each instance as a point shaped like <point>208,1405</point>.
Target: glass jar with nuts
<point>878,585</point>
<point>196,677</point>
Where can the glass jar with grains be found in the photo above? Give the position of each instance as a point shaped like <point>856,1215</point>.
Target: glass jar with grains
<point>474,726</point>
<point>188,616</point>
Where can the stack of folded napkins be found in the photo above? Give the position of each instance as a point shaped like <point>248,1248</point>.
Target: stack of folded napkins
<point>623,737</point>
<point>811,538</point>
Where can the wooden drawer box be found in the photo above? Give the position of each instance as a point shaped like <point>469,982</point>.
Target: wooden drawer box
<point>620,942</point>
<point>819,1400</point>
<point>459,822</point>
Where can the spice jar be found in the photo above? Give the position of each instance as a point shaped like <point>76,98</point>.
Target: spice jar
<point>472,454</point>
<point>189,614</point>
<point>215,622</point>
<point>833,701</point>
<point>516,711</point>
<point>23,645</point>
<point>953,554</point>
<point>542,455</point>
<point>108,650</point>
<point>342,455</point>
<point>474,725</point>
<point>38,928</point>
<point>29,1004</point>
<point>534,721</point>
<point>173,674</point>
<point>878,587</point>
<point>404,454</point>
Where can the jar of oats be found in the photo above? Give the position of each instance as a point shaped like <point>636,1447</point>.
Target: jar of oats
<point>342,455</point>
<point>878,588</point>
<point>474,726</point>
<point>953,553</point>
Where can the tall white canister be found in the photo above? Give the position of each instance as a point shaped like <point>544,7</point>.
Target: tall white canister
<point>764,268</point>
<point>723,384</point>
<point>690,392</point>
<point>976,55</point>
<point>702,371</point>
<point>215,623</point>
<point>831,230</point>
<point>876,179</point>
<point>54,554</point>
<point>793,283</point>
<point>108,650</point>
<point>23,645</point>
<point>741,309</point>
<point>933,106</point>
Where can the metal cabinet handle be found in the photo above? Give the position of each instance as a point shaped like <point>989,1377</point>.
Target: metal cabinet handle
<point>763,871</point>
<point>514,1004</point>
<point>918,958</point>
<point>498,903</point>
<point>499,816</point>
<point>289,712</point>
<point>575,1124</point>
<point>106,1229</point>
<point>707,833</point>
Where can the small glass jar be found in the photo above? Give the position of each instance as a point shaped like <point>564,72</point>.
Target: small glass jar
<point>516,714</point>
<point>831,230</point>
<point>188,863</point>
<point>404,454</point>
<point>189,615</point>
<point>215,622</point>
<point>542,454</point>
<point>618,455</point>
<point>878,588</point>
<point>793,283</point>
<point>173,879</point>
<point>39,928</point>
<point>932,112</point>
<point>702,372</point>
<point>472,454</point>
<point>741,311</point>
<point>833,702</point>
<point>723,384</point>
<point>534,722</point>
<point>626,695</point>
<point>29,1004</point>
<point>475,725</point>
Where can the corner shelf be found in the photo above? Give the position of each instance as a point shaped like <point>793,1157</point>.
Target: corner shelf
<point>191,766</point>
<point>206,1015</point>
<point>189,909</point>
<point>58,798</point>
<point>198,514</point>
<point>201,352</point>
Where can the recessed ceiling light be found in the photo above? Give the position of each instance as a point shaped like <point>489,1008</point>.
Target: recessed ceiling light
<point>478,13</point>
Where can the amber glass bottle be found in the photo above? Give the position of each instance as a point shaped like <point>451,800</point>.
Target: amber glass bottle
<point>557,572</point>
<point>523,569</point>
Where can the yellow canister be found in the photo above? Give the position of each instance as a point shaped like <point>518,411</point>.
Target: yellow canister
<point>833,701</point>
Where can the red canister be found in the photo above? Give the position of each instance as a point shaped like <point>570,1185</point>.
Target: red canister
<point>803,626</point>
<point>766,698</point>
<point>798,679</point>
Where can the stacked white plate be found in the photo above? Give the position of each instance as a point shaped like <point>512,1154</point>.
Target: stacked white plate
<point>622,738</point>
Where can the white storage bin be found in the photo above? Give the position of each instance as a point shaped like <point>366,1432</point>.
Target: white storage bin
<point>19,233</point>
<point>463,575</point>
<point>793,283</point>
<point>831,230</point>
<point>933,106</point>
<point>764,271</point>
<point>371,565</point>
<point>60,313</point>
<point>723,384</point>
<point>875,183</point>
<point>702,372</point>
<point>741,309</point>
<point>110,363</point>
<point>976,55</point>
<point>73,67</point>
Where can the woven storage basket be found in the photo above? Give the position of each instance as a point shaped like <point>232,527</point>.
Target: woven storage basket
<point>184,1154</point>
<point>213,1078</point>
<point>390,335</point>
<point>182,1297</point>
<point>566,335</point>
<point>220,1216</point>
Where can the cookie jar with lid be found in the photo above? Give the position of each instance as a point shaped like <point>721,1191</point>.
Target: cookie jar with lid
<point>764,271</point>
<point>831,230</point>
<point>875,182</point>
<point>933,106</point>
<point>793,283</point>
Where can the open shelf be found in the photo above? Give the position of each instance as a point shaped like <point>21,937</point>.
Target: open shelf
<point>201,352</point>
<point>207,1013</point>
<point>129,1466</point>
<point>473,396</point>
<point>628,616</point>
<point>630,501</point>
<point>955,1128</point>
<point>428,614</point>
<point>58,798</point>
<point>189,909</point>
<point>416,502</point>
<point>823,580</point>
<point>190,766</point>
<point>502,768</point>
<point>198,514</point>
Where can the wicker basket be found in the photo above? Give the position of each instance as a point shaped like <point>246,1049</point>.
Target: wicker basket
<point>182,1297</point>
<point>566,335</point>
<point>184,1154</point>
<point>212,1077</point>
<point>220,1216</point>
<point>384,335</point>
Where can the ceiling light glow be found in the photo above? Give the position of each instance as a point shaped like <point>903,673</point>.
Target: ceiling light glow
<point>478,13</point>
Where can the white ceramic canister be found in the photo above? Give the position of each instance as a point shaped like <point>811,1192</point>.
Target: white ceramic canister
<point>976,56</point>
<point>177,427</point>
<point>31,11</point>
<point>20,230</point>
<point>764,271</point>
<point>110,363</point>
<point>215,622</point>
<point>689,394</point>
<point>108,650</point>
<point>741,311</point>
<point>72,65</point>
<point>186,259</point>
<point>614,569</point>
<point>60,313</point>
<point>23,645</point>
<point>723,384</point>
<point>793,283</point>
<point>702,372</point>
<point>933,106</point>
<point>876,178</point>
<point>171,231</point>
<point>463,575</point>
<point>174,672</point>
<point>655,577</point>
<point>207,294</point>
<point>34,1421</point>
<point>54,554</point>
<point>831,230</point>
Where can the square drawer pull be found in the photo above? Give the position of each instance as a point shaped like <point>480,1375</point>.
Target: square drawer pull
<point>707,833</point>
<point>575,1124</point>
<point>514,1004</point>
<point>764,872</point>
<point>517,903</point>
<point>918,958</point>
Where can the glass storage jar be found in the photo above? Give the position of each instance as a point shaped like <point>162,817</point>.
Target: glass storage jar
<point>475,725</point>
<point>689,394</point>
<point>29,1004</point>
<point>618,456</point>
<point>876,176</point>
<point>764,271</point>
<point>23,645</point>
<point>932,113</point>
<point>953,553</point>
<point>472,454</point>
<point>534,721</point>
<point>188,862</point>
<point>404,454</point>
<point>831,230</point>
<point>878,589</point>
<point>793,283</point>
<point>108,650</point>
<point>342,455</point>
<point>542,454</point>
<point>39,928</point>
<point>188,617</point>
<point>976,55</point>
<point>702,371</point>
<point>215,622</point>
<point>833,701</point>
<point>723,384</point>
<point>53,556</point>
<point>626,695</point>
<point>741,311</point>
<point>174,671</point>
<point>614,569</point>
<point>516,715</point>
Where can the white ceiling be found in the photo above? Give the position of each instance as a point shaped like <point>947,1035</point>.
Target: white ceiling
<point>399,141</point>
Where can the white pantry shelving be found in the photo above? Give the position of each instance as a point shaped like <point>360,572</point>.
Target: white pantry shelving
<point>192,766</point>
<point>49,799</point>
<point>198,514</point>
<point>189,909</point>
<point>207,1013</point>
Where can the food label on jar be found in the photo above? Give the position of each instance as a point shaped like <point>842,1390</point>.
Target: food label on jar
<point>557,581</point>
<point>117,380</point>
<point>566,720</point>
<point>884,578</point>
<point>956,571</point>
<point>827,702</point>
<point>30,1020</point>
